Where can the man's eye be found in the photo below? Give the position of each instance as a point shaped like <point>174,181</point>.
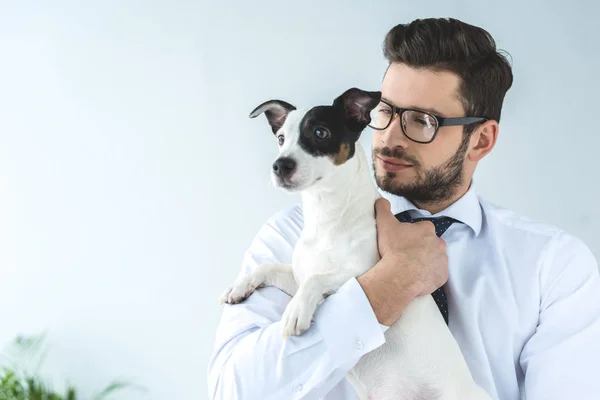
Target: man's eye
<point>424,122</point>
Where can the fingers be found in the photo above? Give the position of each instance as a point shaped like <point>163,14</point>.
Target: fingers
<point>426,228</point>
<point>383,209</point>
<point>443,245</point>
<point>382,205</point>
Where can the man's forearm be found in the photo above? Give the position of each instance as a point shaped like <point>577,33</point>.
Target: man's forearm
<point>388,292</point>
<point>253,361</point>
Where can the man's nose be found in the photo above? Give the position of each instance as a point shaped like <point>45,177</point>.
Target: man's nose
<point>393,136</point>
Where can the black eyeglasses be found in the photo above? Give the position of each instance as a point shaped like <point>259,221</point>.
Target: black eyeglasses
<point>419,126</point>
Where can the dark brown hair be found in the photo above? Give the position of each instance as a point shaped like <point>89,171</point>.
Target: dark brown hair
<point>447,44</point>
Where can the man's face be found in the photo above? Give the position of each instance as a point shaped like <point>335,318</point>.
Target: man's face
<point>423,173</point>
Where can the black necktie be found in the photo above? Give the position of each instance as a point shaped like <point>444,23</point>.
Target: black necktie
<point>441,224</point>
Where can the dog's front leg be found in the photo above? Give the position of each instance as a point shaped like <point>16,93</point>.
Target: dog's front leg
<point>300,310</point>
<point>278,275</point>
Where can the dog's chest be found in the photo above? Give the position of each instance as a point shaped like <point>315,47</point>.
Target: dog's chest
<point>345,251</point>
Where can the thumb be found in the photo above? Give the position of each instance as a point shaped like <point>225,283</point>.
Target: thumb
<point>383,210</point>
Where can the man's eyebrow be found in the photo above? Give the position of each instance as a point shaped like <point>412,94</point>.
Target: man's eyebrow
<point>426,109</point>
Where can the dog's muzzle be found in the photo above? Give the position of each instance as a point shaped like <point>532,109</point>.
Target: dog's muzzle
<point>284,167</point>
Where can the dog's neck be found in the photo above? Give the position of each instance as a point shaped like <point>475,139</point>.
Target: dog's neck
<point>351,192</point>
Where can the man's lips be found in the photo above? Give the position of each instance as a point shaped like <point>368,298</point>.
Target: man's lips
<point>393,164</point>
<point>395,161</point>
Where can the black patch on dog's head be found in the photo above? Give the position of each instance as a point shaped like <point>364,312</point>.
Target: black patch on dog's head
<point>333,130</point>
<point>276,112</point>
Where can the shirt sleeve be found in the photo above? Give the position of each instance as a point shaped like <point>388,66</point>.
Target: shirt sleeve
<point>561,359</point>
<point>251,359</point>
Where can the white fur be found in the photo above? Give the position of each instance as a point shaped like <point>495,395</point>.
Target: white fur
<point>420,358</point>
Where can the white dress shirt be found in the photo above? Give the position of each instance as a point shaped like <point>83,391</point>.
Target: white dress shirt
<point>523,298</point>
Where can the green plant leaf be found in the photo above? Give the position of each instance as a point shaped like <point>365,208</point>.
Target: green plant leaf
<point>71,394</point>
<point>17,383</point>
<point>115,386</point>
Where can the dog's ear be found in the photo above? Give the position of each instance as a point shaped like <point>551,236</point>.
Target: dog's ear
<point>357,105</point>
<point>276,112</point>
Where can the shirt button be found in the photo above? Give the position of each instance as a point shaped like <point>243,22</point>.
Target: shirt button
<point>358,345</point>
<point>299,388</point>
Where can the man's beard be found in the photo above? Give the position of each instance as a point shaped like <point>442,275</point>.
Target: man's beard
<point>431,186</point>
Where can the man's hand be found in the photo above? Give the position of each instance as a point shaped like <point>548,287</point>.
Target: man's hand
<point>413,263</point>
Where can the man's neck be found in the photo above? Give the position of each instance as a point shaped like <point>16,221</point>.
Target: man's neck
<point>436,207</point>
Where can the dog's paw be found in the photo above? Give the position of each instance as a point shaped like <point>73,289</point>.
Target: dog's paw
<point>297,317</point>
<point>241,290</point>
<point>224,298</point>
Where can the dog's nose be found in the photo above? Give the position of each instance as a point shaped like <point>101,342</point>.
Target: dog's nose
<point>284,166</point>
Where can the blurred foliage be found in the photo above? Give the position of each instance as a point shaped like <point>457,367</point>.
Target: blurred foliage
<point>20,380</point>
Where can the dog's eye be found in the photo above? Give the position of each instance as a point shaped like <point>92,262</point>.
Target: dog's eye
<point>280,139</point>
<point>322,133</point>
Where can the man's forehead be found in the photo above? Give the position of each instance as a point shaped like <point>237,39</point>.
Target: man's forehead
<point>434,91</point>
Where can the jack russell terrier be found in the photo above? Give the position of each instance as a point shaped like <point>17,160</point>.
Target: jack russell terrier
<point>319,156</point>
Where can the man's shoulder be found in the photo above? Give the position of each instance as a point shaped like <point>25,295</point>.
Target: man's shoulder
<point>276,237</point>
<point>286,223</point>
<point>292,212</point>
<point>516,222</point>
<point>529,232</point>
<point>289,215</point>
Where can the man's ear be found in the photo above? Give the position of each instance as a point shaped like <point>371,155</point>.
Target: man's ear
<point>483,140</point>
<point>276,112</point>
<point>357,105</point>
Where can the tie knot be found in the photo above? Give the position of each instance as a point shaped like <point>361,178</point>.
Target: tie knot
<point>441,223</point>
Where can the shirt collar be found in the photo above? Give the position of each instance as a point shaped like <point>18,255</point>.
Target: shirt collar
<point>467,209</point>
